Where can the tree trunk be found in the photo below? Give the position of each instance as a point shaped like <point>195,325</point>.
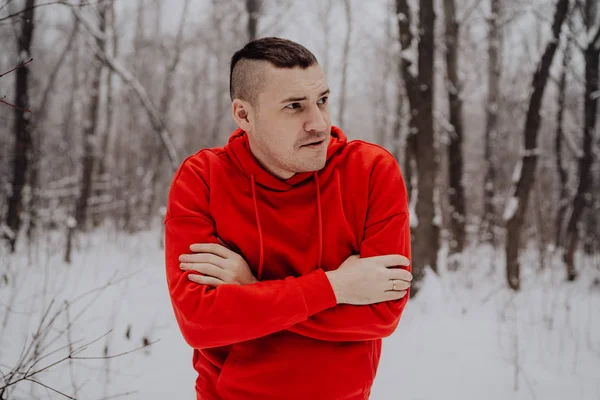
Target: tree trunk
<point>345,61</point>
<point>102,163</point>
<point>491,127</point>
<point>524,175</point>
<point>455,153</point>
<point>253,9</point>
<point>38,127</point>
<point>21,127</point>
<point>558,148</point>
<point>583,195</point>
<point>90,126</point>
<point>420,141</point>
<point>164,108</point>
<point>217,20</point>
<point>381,112</point>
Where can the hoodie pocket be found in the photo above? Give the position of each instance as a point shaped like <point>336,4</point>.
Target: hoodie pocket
<point>230,362</point>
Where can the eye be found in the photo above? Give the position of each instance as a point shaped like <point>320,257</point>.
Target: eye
<point>293,106</point>
<point>323,100</point>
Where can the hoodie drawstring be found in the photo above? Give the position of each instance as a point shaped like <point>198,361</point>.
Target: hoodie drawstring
<point>320,217</point>
<point>260,235</point>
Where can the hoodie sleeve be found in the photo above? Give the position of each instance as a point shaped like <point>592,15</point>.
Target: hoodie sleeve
<point>227,314</point>
<point>387,231</point>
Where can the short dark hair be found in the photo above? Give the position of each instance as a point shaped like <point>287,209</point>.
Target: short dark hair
<point>244,76</point>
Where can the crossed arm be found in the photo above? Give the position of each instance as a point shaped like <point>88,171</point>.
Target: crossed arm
<point>214,316</point>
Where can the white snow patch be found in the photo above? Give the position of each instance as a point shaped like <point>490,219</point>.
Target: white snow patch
<point>465,335</point>
<point>511,208</point>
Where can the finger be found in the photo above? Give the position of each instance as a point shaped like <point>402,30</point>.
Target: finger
<point>204,268</point>
<point>392,260</point>
<point>205,280</point>
<point>399,274</point>
<point>399,285</point>
<point>208,258</point>
<point>212,248</point>
<point>394,295</point>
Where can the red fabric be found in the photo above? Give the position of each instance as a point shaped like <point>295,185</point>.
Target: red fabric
<point>285,337</point>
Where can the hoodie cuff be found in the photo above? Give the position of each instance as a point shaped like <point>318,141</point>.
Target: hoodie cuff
<point>317,291</point>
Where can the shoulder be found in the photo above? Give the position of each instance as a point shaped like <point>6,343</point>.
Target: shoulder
<point>369,156</point>
<point>198,165</point>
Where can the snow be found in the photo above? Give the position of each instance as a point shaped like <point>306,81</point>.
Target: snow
<point>465,335</point>
<point>516,177</point>
<point>511,208</point>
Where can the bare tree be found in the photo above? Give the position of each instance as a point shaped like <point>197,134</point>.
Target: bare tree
<point>21,127</point>
<point>165,105</point>
<point>345,61</point>
<point>325,7</point>
<point>524,174</point>
<point>38,127</point>
<point>133,83</point>
<point>420,141</point>
<point>456,190</point>
<point>491,125</point>
<point>563,201</point>
<point>90,126</point>
<point>591,54</point>
<point>102,164</point>
<point>253,10</point>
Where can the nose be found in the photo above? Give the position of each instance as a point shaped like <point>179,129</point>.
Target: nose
<point>316,120</point>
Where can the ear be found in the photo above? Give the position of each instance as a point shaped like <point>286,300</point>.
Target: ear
<point>240,111</point>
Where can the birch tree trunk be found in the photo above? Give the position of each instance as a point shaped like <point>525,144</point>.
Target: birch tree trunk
<point>491,126</point>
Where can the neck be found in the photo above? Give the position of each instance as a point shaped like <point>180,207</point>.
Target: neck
<point>261,158</point>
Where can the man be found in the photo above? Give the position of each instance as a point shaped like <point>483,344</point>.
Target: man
<point>287,250</point>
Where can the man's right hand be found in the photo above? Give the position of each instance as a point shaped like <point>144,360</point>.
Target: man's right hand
<point>361,281</point>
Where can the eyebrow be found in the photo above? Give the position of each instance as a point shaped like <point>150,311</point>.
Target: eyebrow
<point>297,99</point>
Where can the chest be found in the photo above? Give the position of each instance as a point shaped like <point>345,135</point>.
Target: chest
<point>296,237</point>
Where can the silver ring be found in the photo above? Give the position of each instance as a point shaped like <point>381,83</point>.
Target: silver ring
<point>393,284</point>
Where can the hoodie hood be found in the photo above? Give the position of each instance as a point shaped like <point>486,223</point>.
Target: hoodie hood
<point>238,149</point>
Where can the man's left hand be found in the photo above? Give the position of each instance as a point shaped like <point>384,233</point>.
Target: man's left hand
<point>217,264</point>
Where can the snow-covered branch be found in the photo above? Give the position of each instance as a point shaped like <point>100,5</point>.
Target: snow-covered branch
<point>156,119</point>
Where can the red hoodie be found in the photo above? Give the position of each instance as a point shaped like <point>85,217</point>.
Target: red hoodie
<point>285,337</point>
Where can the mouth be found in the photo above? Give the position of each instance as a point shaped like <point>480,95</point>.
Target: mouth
<point>314,144</point>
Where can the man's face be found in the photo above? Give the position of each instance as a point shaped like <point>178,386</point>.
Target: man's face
<point>290,115</point>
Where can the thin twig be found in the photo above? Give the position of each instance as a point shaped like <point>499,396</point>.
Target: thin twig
<point>115,355</point>
<point>13,106</point>
<point>46,4</point>
<point>48,387</point>
<point>16,68</point>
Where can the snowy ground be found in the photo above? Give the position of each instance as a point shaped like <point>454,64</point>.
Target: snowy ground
<point>464,337</point>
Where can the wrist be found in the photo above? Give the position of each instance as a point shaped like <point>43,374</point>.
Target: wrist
<point>335,285</point>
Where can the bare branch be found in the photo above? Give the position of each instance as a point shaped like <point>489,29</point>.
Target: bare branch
<point>16,68</point>
<point>156,119</point>
<point>116,355</point>
<point>469,11</point>
<point>46,4</point>
<point>50,388</point>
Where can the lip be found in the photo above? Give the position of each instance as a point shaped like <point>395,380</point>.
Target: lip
<point>313,144</point>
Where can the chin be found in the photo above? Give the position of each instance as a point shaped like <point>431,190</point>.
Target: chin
<point>313,166</point>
